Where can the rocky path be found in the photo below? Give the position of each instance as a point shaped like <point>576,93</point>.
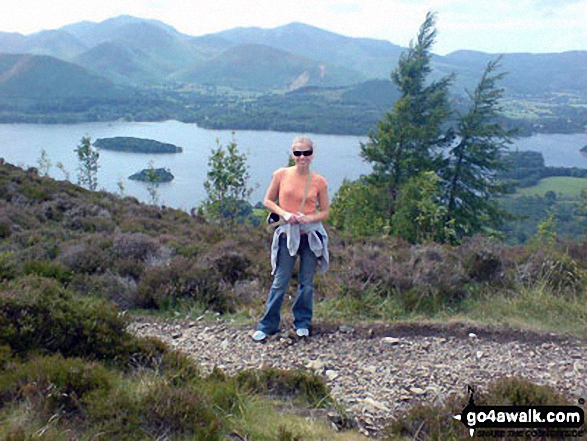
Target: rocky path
<point>376,370</point>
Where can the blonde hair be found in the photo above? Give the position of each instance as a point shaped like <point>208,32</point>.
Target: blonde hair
<point>304,140</point>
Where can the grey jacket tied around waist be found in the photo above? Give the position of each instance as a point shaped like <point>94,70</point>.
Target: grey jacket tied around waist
<point>317,239</point>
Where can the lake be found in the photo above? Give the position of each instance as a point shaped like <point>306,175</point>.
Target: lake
<point>337,157</point>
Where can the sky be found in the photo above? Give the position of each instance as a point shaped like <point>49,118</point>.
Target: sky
<point>494,26</point>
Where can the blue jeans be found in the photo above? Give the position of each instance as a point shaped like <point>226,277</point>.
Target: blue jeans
<point>302,307</point>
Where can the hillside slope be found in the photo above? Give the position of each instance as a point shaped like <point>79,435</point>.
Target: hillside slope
<point>42,77</point>
<point>263,67</point>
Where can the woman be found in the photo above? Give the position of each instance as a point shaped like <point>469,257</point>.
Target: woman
<point>299,192</point>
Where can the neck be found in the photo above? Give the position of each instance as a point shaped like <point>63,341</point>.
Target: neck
<point>302,169</point>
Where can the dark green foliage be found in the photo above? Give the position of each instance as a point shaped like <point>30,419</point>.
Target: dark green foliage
<point>556,270</point>
<point>420,214</point>
<point>184,281</point>
<point>38,315</point>
<point>285,383</point>
<point>286,435</point>
<point>359,209</point>
<point>482,260</point>
<point>182,411</point>
<point>5,228</point>
<point>48,269</point>
<point>521,392</point>
<point>427,422</point>
<point>524,168</point>
<point>420,138</point>
<point>227,187</point>
<point>162,410</point>
<point>407,137</point>
<point>475,159</point>
<point>136,145</point>
<point>84,258</point>
<point>155,175</point>
<point>88,164</point>
<point>53,384</point>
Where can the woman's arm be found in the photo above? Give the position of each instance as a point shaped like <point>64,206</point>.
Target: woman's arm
<point>324,207</point>
<point>270,198</point>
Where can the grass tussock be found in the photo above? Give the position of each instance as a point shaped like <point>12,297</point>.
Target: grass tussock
<point>435,422</point>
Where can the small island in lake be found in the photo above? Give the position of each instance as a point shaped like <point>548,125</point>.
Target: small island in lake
<point>136,145</point>
<point>155,175</point>
<point>584,149</point>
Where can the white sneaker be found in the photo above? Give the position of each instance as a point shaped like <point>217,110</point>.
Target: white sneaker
<point>259,336</point>
<point>302,332</point>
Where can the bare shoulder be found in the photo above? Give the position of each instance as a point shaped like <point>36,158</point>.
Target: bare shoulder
<point>280,172</point>
<point>322,183</point>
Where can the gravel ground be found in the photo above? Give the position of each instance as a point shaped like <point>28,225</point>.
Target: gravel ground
<point>374,371</point>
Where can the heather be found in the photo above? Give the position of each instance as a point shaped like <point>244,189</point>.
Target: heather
<point>77,266</point>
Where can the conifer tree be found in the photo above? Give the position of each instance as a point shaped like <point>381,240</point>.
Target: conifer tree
<point>474,159</point>
<point>409,138</point>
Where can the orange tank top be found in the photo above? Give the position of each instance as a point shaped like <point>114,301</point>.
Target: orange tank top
<point>291,190</point>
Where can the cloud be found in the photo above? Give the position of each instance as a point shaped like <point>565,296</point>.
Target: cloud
<point>345,8</point>
<point>490,26</point>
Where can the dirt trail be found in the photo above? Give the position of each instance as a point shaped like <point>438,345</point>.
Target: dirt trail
<point>374,371</point>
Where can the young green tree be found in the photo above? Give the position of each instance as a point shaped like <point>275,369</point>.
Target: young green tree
<point>44,163</point>
<point>227,186</point>
<point>153,180</point>
<point>409,138</point>
<point>421,212</point>
<point>61,167</point>
<point>358,209</point>
<point>87,164</point>
<point>472,163</point>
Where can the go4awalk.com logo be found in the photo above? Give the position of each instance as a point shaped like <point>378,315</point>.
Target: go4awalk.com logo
<point>565,420</point>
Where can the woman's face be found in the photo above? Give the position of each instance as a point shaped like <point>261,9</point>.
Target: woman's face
<point>303,158</point>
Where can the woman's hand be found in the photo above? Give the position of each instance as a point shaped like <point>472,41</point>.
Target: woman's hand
<point>290,218</point>
<point>303,219</point>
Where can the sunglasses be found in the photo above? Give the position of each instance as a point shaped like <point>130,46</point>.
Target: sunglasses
<point>303,152</point>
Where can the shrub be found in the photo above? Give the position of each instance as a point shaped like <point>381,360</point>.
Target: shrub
<point>53,384</point>
<point>137,246</point>
<point>163,411</point>
<point>438,279</point>
<point>109,286</point>
<point>435,422</point>
<point>128,268</point>
<point>558,271</point>
<point>84,258</point>
<point>8,265</point>
<point>53,270</point>
<point>483,260</point>
<point>5,228</point>
<point>40,315</point>
<point>182,280</point>
<point>520,392</point>
<point>231,266</point>
<point>178,368</point>
<point>285,383</point>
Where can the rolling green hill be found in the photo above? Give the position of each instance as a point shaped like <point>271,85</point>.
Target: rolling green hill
<point>263,67</point>
<point>564,186</point>
<point>528,74</point>
<point>56,43</point>
<point>41,77</point>
<point>135,50</point>
<point>119,63</point>
<point>373,58</point>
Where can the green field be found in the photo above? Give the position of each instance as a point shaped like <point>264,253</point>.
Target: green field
<point>566,187</point>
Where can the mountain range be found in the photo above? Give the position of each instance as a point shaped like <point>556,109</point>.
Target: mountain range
<point>129,51</point>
